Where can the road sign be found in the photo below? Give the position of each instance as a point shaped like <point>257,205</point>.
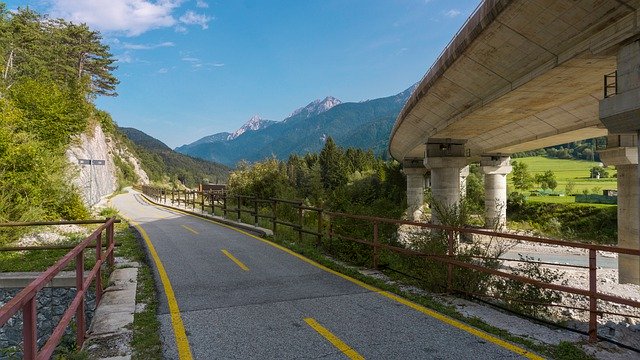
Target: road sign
<point>84,161</point>
<point>97,162</point>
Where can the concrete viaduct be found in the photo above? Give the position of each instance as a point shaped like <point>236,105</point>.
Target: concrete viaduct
<point>521,75</point>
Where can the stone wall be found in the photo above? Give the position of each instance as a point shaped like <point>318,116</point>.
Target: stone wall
<point>51,305</point>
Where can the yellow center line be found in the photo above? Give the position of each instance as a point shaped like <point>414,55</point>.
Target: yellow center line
<point>455,323</point>
<point>190,229</point>
<point>334,340</point>
<point>182,343</point>
<point>233,258</point>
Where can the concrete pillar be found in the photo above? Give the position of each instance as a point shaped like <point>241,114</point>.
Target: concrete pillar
<point>464,173</point>
<point>625,159</point>
<point>415,190</point>
<point>620,114</point>
<point>445,181</point>
<point>495,170</point>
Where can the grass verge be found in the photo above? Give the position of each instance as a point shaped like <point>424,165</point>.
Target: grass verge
<point>146,342</point>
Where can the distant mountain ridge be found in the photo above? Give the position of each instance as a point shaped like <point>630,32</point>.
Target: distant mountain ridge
<point>315,107</point>
<point>365,125</point>
<point>254,124</point>
<point>160,160</point>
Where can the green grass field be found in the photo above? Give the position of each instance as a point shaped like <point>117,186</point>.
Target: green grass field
<point>565,171</point>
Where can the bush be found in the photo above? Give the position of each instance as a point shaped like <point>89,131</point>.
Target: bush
<point>528,298</point>
<point>571,221</point>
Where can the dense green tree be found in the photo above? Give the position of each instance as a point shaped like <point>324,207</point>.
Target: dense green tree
<point>547,180</point>
<point>598,172</point>
<point>332,165</point>
<point>34,46</point>
<point>520,176</point>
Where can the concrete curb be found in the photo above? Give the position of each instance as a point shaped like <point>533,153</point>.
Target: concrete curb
<point>111,330</point>
<point>239,225</point>
<point>64,279</point>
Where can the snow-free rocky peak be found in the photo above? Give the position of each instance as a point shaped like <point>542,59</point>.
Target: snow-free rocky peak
<point>255,123</point>
<point>316,107</point>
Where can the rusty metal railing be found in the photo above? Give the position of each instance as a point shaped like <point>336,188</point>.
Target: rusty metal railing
<point>25,300</point>
<point>450,259</point>
<point>226,203</point>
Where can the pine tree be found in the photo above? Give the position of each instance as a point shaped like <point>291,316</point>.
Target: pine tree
<point>333,171</point>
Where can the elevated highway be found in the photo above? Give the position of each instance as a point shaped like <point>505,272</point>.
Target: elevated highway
<point>521,75</point>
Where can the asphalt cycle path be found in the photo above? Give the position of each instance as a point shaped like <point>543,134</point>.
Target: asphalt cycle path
<point>225,294</point>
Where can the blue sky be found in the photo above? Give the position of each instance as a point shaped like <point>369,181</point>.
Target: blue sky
<point>191,68</point>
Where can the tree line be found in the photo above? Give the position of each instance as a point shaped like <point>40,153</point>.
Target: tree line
<point>348,180</point>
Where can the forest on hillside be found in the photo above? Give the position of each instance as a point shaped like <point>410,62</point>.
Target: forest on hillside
<point>50,72</point>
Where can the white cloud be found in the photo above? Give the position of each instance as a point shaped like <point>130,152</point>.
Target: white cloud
<point>191,18</point>
<point>197,63</point>
<point>202,4</point>
<point>128,17</point>
<point>125,57</point>
<point>163,71</point>
<point>147,46</point>
<point>452,13</point>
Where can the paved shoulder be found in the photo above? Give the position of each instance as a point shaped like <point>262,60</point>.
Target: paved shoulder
<point>242,297</point>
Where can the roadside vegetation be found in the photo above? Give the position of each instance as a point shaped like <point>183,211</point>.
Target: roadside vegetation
<point>50,72</point>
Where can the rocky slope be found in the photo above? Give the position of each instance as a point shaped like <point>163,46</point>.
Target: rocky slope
<point>96,181</point>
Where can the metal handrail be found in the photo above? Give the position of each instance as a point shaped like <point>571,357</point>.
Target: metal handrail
<point>25,300</point>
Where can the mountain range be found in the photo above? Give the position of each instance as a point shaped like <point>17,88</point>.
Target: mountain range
<point>365,125</point>
<point>160,160</point>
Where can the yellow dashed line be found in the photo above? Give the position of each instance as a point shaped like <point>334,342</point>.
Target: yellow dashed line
<point>233,258</point>
<point>455,323</point>
<point>190,229</point>
<point>334,340</point>
<point>182,343</point>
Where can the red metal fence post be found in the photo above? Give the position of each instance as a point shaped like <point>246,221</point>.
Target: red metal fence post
<point>255,211</point>
<point>98,273</point>
<point>375,245</point>
<point>29,328</point>
<point>110,256</point>
<point>450,239</point>
<point>273,212</point>
<point>319,242</point>
<point>80,326</point>
<point>300,222</point>
<point>330,231</point>
<point>593,302</point>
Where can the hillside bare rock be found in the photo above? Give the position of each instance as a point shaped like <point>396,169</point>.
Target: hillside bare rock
<point>96,181</point>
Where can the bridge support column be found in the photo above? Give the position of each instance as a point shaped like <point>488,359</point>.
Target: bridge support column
<point>495,170</point>
<point>620,114</point>
<point>445,181</point>
<point>622,152</point>
<point>415,188</point>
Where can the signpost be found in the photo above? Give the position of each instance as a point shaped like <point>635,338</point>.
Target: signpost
<point>91,163</point>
